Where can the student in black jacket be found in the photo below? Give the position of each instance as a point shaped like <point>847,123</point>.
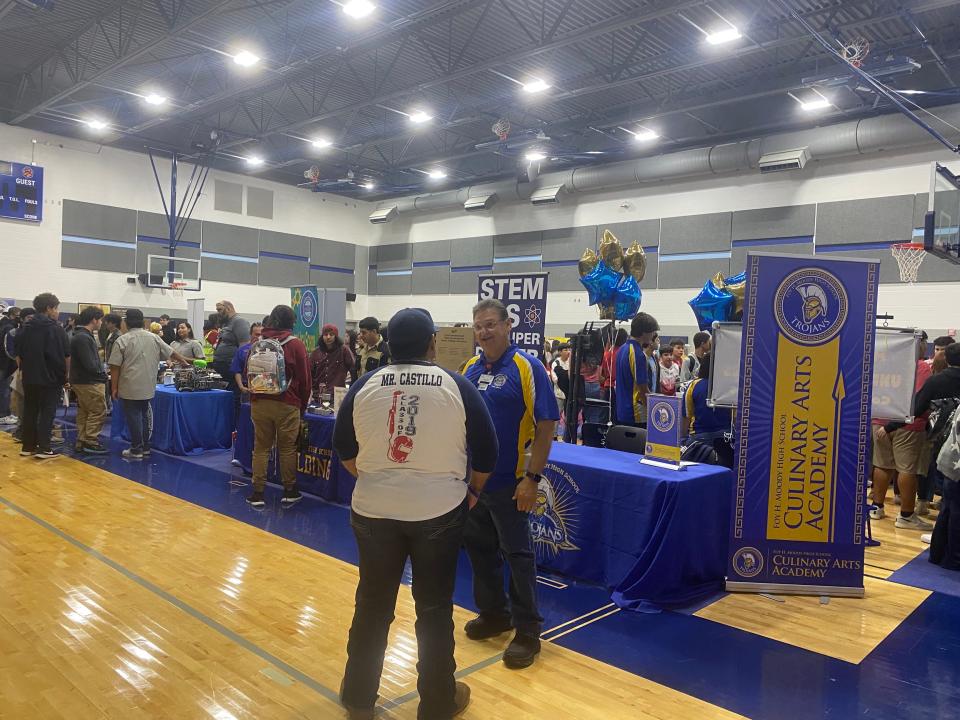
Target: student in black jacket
<point>88,381</point>
<point>44,356</point>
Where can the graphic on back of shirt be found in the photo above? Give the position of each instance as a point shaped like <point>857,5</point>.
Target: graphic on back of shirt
<point>402,425</point>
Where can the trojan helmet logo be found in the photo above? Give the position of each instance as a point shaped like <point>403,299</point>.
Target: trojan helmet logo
<point>555,517</point>
<point>814,301</point>
<point>811,306</point>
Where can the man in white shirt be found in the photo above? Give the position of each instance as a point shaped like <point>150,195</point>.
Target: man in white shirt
<point>404,431</point>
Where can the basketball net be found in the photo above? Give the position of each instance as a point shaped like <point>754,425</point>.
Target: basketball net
<point>909,257</point>
<point>176,289</point>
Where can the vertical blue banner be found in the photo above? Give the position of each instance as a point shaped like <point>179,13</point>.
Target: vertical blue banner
<point>663,430</point>
<point>525,295</point>
<point>21,191</point>
<point>803,425</point>
<point>306,307</point>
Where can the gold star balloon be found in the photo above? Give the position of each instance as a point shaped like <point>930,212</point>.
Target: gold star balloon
<point>735,289</point>
<point>635,261</point>
<point>588,261</point>
<point>611,252</point>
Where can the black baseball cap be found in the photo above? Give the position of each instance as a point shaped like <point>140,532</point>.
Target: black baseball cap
<point>410,331</point>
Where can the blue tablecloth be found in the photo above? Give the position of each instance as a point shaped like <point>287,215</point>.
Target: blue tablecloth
<point>185,423</point>
<point>656,537</point>
<point>318,469</point>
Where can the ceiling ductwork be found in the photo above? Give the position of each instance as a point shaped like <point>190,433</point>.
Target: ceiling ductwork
<point>546,195</point>
<point>480,202</point>
<point>858,137</point>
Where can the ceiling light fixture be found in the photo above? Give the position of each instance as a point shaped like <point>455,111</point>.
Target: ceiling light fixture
<point>418,117</point>
<point>254,161</point>
<point>719,37</point>
<point>535,156</point>
<point>154,99</point>
<point>358,8</point>
<point>645,135</point>
<point>245,58</point>
<point>535,86</point>
<point>437,174</point>
<point>369,186</point>
<point>95,124</point>
<point>817,104</point>
<point>320,143</point>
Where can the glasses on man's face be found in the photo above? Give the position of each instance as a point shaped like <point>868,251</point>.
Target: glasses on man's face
<point>488,326</point>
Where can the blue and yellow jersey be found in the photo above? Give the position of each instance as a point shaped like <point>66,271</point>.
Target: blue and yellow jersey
<point>518,393</point>
<point>632,372</point>
<point>703,418</point>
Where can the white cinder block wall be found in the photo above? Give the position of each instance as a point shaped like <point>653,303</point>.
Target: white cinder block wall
<point>85,171</point>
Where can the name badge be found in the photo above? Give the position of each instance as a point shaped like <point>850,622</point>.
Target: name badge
<point>484,381</point>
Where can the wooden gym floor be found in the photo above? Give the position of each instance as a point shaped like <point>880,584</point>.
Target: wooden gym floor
<point>151,590</point>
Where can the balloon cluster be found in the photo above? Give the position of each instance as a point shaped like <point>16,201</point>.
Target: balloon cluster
<point>612,277</point>
<point>721,300</point>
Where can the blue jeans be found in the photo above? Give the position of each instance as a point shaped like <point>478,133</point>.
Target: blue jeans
<point>497,531</point>
<point>5,391</point>
<point>137,415</point>
<point>433,547</point>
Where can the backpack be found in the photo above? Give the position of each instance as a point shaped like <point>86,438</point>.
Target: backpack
<point>939,421</point>
<point>266,369</point>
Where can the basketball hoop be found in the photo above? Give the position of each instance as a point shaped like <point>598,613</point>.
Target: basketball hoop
<point>176,288</point>
<point>909,256</point>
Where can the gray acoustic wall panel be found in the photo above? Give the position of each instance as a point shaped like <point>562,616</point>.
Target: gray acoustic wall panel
<point>329,279</point>
<point>276,272</point>
<point>433,280</point>
<point>888,266</point>
<point>100,222</point>
<point>285,243</point>
<point>229,271</point>
<point>690,273</point>
<point>145,249</point>
<point>398,256</point>
<point>227,196</point>
<point>568,243</point>
<point>695,233</point>
<point>464,283</point>
<point>97,257</point>
<point>776,222</point>
<point>432,251</point>
<point>331,253</point>
<point>155,225</point>
<point>653,268</point>
<point>260,203</point>
<point>517,267</point>
<point>394,284</point>
<point>517,244</point>
<point>886,220</point>
<point>738,256</point>
<point>361,254</point>
<point>471,251</point>
<point>230,239</point>
<point>373,287</point>
<point>564,279</point>
<point>646,232</point>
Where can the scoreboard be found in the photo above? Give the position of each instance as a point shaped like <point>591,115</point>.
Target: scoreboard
<point>21,191</point>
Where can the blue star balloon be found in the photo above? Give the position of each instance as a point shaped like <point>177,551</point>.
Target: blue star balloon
<point>627,298</point>
<point>712,304</point>
<point>601,284</point>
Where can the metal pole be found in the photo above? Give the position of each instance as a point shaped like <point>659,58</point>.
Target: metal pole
<point>172,219</point>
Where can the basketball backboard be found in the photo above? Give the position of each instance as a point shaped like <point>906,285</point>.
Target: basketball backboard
<point>163,270</point>
<point>941,227</point>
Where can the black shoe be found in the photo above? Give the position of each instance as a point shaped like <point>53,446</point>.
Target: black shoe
<point>25,453</point>
<point>290,497</point>
<point>522,651</point>
<point>461,697</point>
<point>45,454</point>
<point>358,713</point>
<point>96,449</point>
<point>145,452</point>
<point>483,627</point>
<point>256,501</point>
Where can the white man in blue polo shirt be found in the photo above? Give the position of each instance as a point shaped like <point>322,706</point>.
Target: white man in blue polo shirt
<point>518,392</point>
<point>404,431</point>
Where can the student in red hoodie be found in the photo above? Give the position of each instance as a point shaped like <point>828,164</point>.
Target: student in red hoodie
<point>276,418</point>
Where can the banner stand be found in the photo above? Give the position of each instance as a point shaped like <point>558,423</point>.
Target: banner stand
<point>525,297</point>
